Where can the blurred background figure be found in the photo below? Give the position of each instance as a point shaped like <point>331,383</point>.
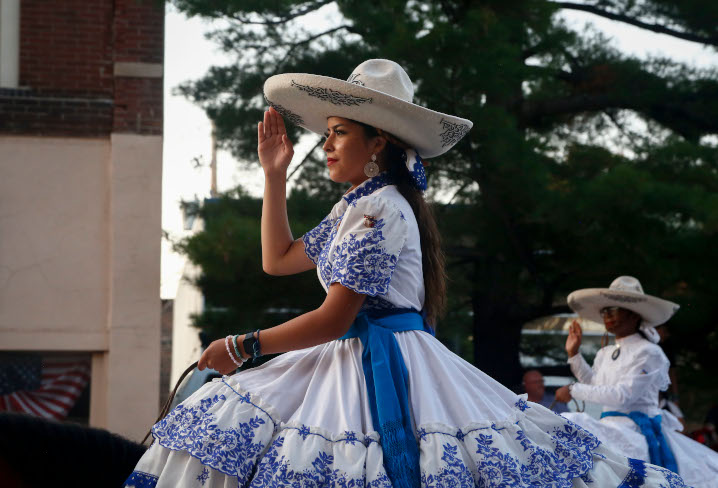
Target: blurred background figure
<point>668,399</point>
<point>534,385</point>
<point>708,434</point>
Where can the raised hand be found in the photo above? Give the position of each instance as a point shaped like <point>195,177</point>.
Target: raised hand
<point>273,146</point>
<point>573,341</point>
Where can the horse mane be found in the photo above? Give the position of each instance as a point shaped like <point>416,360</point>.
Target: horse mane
<point>42,452</point>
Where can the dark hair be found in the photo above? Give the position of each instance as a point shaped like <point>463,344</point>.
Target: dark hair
<point>431,254</point>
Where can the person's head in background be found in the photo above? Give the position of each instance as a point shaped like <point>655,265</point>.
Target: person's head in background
<point>534,385</point>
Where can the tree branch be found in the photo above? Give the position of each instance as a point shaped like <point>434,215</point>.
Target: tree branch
<point>306,158</point>
<point>461,189</point>
<point>620,127</point>
<point>282,20</point>
<point>661,29</point>
<point>671,110</point>
<point>295,45</point>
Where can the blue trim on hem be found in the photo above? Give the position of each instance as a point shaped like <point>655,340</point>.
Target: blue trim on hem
<point>140,479</point>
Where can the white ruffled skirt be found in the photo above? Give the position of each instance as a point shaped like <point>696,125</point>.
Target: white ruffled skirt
<point>697,464</point>
<point>303,420</point>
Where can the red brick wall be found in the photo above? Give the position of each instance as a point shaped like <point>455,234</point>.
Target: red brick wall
<point>66,46</point>
<point>139,30</point>
<point>30,113</point>
<point>68,49</point>
<point>135,107</point>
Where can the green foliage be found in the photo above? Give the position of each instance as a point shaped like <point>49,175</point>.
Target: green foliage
<point>583,164</point>
<point>239,296</point>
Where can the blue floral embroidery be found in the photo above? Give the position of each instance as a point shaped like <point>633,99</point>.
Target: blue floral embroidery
<point>361,264</point>
<point>586,479</point>
<point>496,468</point>
<point>367,188</point>
<point>351,437</point>
<point>571,458</point>
<point>276,471</point>
<point>323,263</point>
<point>316,239</point>
<point>138,479</point>
<point>674,481</point>
<point>233,451</point>
<point>202,478</point>
<point>521,404</point>
<point>304,432</point>
<point>454,474</point>
<point>636,477</point>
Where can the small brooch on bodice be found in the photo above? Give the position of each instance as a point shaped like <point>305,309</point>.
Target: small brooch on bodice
<point>369,221</point>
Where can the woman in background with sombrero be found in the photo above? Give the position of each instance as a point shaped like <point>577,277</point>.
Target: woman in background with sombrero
<point>626,379</point>
<point>366,396</point>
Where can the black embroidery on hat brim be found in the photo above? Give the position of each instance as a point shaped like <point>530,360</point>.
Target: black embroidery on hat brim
<point>453,132</point>
<point>286,113</point>
<point>623,298</point>
<point>332,96</point>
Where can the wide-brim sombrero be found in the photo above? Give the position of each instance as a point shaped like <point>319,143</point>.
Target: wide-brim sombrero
<point>378,93</point>
<point>625,292</point>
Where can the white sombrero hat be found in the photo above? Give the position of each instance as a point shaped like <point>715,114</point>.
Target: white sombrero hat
<point>378,93</point>
<point>625,292</point>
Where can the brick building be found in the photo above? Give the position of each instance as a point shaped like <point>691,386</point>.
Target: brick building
<point>80,187</point>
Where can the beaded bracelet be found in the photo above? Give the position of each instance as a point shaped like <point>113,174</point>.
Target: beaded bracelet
<point>236,348</point>
<point>226,344</point>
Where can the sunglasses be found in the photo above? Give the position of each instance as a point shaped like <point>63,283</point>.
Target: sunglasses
<point>609,311</point>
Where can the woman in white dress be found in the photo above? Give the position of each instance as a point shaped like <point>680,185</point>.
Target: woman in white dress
<point>366,396</point>
<point>626,379</point>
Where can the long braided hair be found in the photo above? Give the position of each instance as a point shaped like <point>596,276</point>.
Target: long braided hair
<point>431,254</point>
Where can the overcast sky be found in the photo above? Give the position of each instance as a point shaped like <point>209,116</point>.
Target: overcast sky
<point>188,55</point>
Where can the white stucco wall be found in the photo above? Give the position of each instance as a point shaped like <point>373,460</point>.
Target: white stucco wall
<point>186,346</point>
<point>54,243</point>
<point>80,238</point>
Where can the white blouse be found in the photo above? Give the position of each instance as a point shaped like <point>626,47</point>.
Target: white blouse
<point>630,382</point>
<point>370,243</point>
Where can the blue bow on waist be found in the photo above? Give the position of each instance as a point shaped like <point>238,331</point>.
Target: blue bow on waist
<point>658,449</point>
<point>387,382</point>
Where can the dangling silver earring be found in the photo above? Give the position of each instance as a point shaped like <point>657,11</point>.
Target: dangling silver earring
<point>371,169</point>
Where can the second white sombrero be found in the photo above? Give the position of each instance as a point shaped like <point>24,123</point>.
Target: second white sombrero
<point>378,93</point>
<point>625,292</point>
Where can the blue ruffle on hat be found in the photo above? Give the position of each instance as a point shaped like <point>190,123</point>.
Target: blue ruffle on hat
<point>416,168</point>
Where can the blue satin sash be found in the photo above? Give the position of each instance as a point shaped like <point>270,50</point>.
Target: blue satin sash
<point>658,448</point>
<point>387,382</point>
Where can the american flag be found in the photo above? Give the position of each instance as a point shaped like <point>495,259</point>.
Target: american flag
<point>42,386</point>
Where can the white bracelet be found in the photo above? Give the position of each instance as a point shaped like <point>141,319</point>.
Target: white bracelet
<point>226,344</point>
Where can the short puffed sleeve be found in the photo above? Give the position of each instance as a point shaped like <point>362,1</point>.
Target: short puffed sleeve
<point>317,238</point>
<point>369,241</point>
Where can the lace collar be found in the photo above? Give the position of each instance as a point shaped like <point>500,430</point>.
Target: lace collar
<point>367,188</point>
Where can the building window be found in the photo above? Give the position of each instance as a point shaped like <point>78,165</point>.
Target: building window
<point>9,43</point>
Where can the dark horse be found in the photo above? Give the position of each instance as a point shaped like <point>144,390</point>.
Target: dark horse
<point>38,452</point>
